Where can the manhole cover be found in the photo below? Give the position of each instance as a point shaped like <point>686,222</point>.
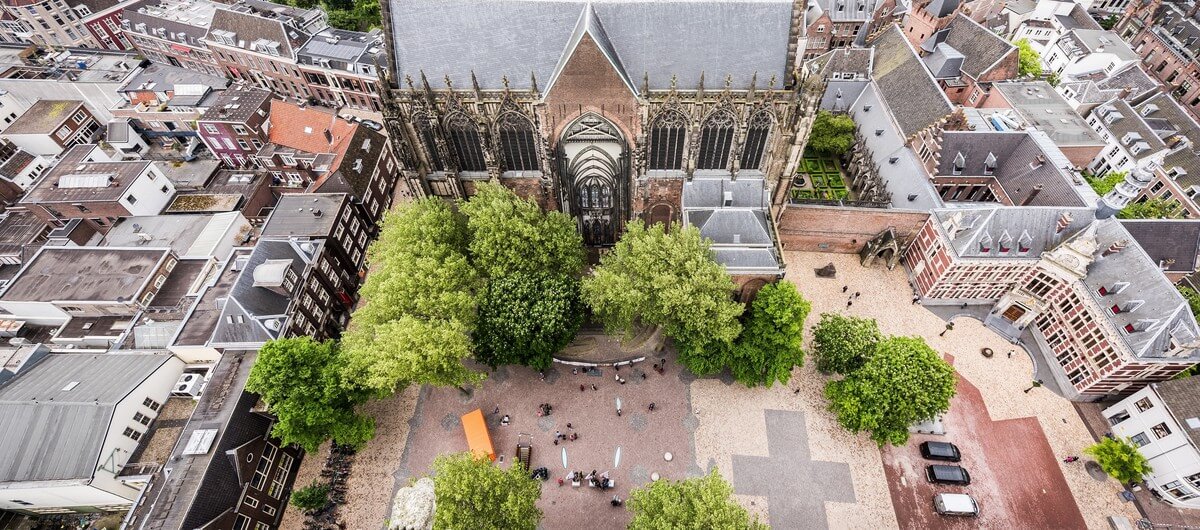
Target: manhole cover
<point>1095,471</point>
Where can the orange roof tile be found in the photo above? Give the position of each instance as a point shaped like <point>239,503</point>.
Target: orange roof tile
<point>304,128</point>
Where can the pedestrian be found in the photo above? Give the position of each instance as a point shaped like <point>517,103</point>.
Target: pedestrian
<point>1070,459</point>
<point>560,482</point>
<point>651,406</point>
<point>574,436</point>
<point>618,412</point>
<point>574,371</point>
<point>543,374</point>
<point>1010,352</point>
<point>622,380</point>
<point>643,376</point>
<point>616,501</point>
<point>504,420</point>
<point>569,425</point>
<point>581,388</point>
<point>556,441</point>
<point>845,288</point>
<point>557,435</point>
<point>916,299</point>
<point>849,303</point>
<point>497,411</point>
<point>616,377</point>
<point>594,387</point>
<point>856,294</point>
<point>796,391</point>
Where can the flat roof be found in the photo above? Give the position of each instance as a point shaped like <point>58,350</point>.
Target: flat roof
<point>85,178</point>
<point>304,214</point>
<point>199,324</point>
<point>1040,106</point>
<point>54,416</point>
<point>85,274</point>
<point>44,117</point>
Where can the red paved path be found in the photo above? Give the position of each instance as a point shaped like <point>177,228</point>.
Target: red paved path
<point>1015,476</point>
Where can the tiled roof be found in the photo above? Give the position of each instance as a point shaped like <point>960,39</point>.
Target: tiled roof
<point>841,60</point>
<point>1131,121</point>
<point>236,104</point>
<point>1037,222</point>
<point>1171,242</point>
<point>305,128</point>
<point>981,48</point>
<point>914,97</point>
<point>1017,166</point>
<point>250,27</point>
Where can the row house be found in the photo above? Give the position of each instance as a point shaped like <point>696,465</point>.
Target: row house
<point>1072,288</point>
<point>832,24</point>
<point>19,169</point>
<point>344,228</point>
<point>57,23</point>
<point>87,184</point>
<point>172,31</point>
<point>1174,178</point>
<point>1081,52</point>
<point>1131,140</point>
<point>966,59</point>
<point>1042,23</point>
<point>1168,42</point>
<point>51,127</point>
<point>1036,104</point>
<point>258,42</point>
<point>234,127</point>
<point>1163,422</point>
<point>342,68</point>
<point>165,102</point>
<point>1130,83</point>
<point>104,24</point>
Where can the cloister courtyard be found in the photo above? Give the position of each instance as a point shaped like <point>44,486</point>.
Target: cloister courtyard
<point>787,458</point>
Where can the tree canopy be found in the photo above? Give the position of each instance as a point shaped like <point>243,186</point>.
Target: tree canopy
<point>1152,209</point>
<point>419,302</point>
<point>843,344</point>
<point>832,134</point>
<point>525,318</point>
<point>513,235</point>
<point>703,503</point>
<point>300,380</point>
<point>1029,61</point>
<point>473,493</point>
<point>667,277</point>
<point>771,343</point>
<point>903,382</point>
<point>1105,184</point>
<point>1120,459</point>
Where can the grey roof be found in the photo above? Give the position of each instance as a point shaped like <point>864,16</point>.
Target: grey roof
<point>1182,156</point>
<point>1131,122</point>
<point>1178,29</point>
<point>1017,166</point>
<point>1129,82</point>
<point>251,25</point>
<point>844,60</point>
<point>742,227</point>
<point>945,62</point>
<point>1040,106</point>
<point>164,77</point>
<point>62,274</point>
<point>305,214</point>
<point>710,193</point>
<point>202,318</point>
<point>244,318</point>
<point>75,162</point>
<point>904,177</point>
<point>1039,223</point>
<point>45,116</point>
<point>840,95</point>
<point>190,18</point>
<point>519,37</point>
<point>1182,399</point>
<point>981,48</point>
<point>1171,316</point>
<point>1096,41</point>
<point>50,433</point>
<point>1174,243</point>
<point>119,131</point>
<point>941,8</point>
<point>843,10</point>
<point>914,97</point>
<point>344,50</point>
<point>247,99</point>
<point>731,226</point>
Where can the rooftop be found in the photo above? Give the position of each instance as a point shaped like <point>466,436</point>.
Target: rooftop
<point>254,313</point>
<point>44,117</point>
<point>1018,164</point>
<point>64,274</point>
<point>305,215</point>
<point>1173,243</point>
<point>914,97</point>
<point>1040,106</point>
<point>50,415</point>
<point>1182,398</point>
<point>311,129</point>
<point>201,320</point>
<point>236,105</point>
<point>194,235</point>
<point>83,174</point>
<point>341,48</point>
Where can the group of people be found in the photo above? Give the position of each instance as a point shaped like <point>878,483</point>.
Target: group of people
<point>850,301</point>
<point>559,435</point>
<point>544,409</point>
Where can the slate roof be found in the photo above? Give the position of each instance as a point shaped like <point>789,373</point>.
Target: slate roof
<point>74,162</point>
<point>941,8</point>
<point>740,232</point>
<point>247,99</point>
<point>1131,122</point>
<point>1182,399</point>
<point>520,37</point>
<point>248,308</point>
<point>249,26</point>
<point>981,48</point>
<point>1185,157</point>
<point>16,163</point>
<point>1174,243</point>
<point>352,169</point>
<point>1017,168</point>
<point>914,97</point>
<point>294,215</point>
<point>1103,87</point>
<point>1040,106</point>
<point>49,433</point>
<point>1037,222</point>
<point>44,117</point>
<point>843,60</point>
<point>945,62</point>
<point>1101,41</point>
<point>1179,29</point>
<point>906,176</point>
<point>352,49</point>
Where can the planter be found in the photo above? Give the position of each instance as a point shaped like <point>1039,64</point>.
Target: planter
<point>987,352</point>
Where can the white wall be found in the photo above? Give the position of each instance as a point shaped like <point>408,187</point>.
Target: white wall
<point>1172,457</point>
<point>147,188</point>
<point>41,313</point>
<point>38,144</point>
<point>11,108</point>
<point>80,495</point>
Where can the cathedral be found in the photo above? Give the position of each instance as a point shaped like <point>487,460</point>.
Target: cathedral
<point>669,112</point>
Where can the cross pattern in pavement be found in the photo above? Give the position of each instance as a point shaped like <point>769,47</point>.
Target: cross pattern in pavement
<point>796,487</point>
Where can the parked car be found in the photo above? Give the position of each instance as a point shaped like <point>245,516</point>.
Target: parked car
<point>959,504</point>
<point>940,451</point>
<point>372,124</point>
<point>947,475</point>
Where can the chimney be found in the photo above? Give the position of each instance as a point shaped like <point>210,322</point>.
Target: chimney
<point>1033,195</point>
<point>316,212</point>
<point>1165,264</point>
<point>1039,161</point>
<point>1064,221</point>
<point>1116,247</point>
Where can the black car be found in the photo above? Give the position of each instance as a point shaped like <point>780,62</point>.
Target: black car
<point>947,475</point>
<point>940,451</point>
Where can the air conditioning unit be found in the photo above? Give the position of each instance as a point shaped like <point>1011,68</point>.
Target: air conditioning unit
<point>188,385</point>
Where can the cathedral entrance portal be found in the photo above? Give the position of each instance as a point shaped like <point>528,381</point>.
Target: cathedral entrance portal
<point>595,174</point>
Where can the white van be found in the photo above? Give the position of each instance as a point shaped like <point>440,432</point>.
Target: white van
<point>955,504</point>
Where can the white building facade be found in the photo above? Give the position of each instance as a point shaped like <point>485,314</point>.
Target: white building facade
<point>1162,421</point>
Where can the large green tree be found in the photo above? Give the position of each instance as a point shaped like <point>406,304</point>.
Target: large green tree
<point>842,344</point>
<point>832,134</point>
<point>1152,209</point>
<point>300,380</point>
<point>1029,61</point>
<point>771,343</point>
<point>526,318</point>
<point>473,493</point>
<point>412,350</point>
<point>510,234</point>
<point>1105,184</point>
<point>667,277</point>
<point>1120,459</point>
<point>703,503</point>
<point>903,382</point>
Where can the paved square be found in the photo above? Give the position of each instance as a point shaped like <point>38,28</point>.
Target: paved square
<point>795,486</point>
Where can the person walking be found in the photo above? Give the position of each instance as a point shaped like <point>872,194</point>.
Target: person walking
<point>651,406</point>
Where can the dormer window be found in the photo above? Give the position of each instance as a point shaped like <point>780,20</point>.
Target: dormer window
<point>985,244</point>
<point>960,162</point>
<point>1149,109</point>
<point>1112,117</point>
<point>1024,244</point>
<point>1175,172</point>
<point>1140,147</point>
<point>989,164</point>
<point>878,132</point>
<point>1130,138</point>
<point>1142,324</point>
<point>1005,243</point>
<point>1126,307</point>
<point>1115,288</point>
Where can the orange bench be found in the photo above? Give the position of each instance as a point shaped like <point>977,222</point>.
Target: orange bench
<point>479,441</point>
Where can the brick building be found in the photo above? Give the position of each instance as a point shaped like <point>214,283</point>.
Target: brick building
<point>172,32</point>
<point>342,68</point>
<point>57,23</point>
<point>50,127</point>
<point>257,42</point>
<point>166,101</point>
<point>966,58</point>
<point>1166,36</point>
<point>1077,291</point>
<point>234,126</point>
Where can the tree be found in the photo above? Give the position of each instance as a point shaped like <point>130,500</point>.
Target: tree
<point>1105,184</point>
<point>525,318</point>
<point>1151,209</point>
<point>771,343</point>
<point>832,134</point>
<point>902,383</point>
<point>411,350</point>
<point>300,380</point>
<point>843,344</point>
<point>510,234</point>
<point>472,493</point>
<point>698,503</point>
<point>1192,297</point>
<point>667,277</point>
<point>1029,61</point>
<point>1109,22</point>
<point>1120,459</point>
<point>312,497</point>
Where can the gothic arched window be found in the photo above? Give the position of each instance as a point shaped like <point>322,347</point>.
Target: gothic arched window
<point>666,140</point>
<point>464,140</point>
<point>716,137</point>
<point>757,132</point>
<point>429,139</point>
<point>517,143</point>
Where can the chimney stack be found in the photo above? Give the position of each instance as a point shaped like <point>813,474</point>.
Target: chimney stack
<point>1064,221</point>
<point>1116,247</point>
<point>1032,195</point>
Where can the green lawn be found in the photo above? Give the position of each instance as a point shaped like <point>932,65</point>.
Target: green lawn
<point>824,178</point>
